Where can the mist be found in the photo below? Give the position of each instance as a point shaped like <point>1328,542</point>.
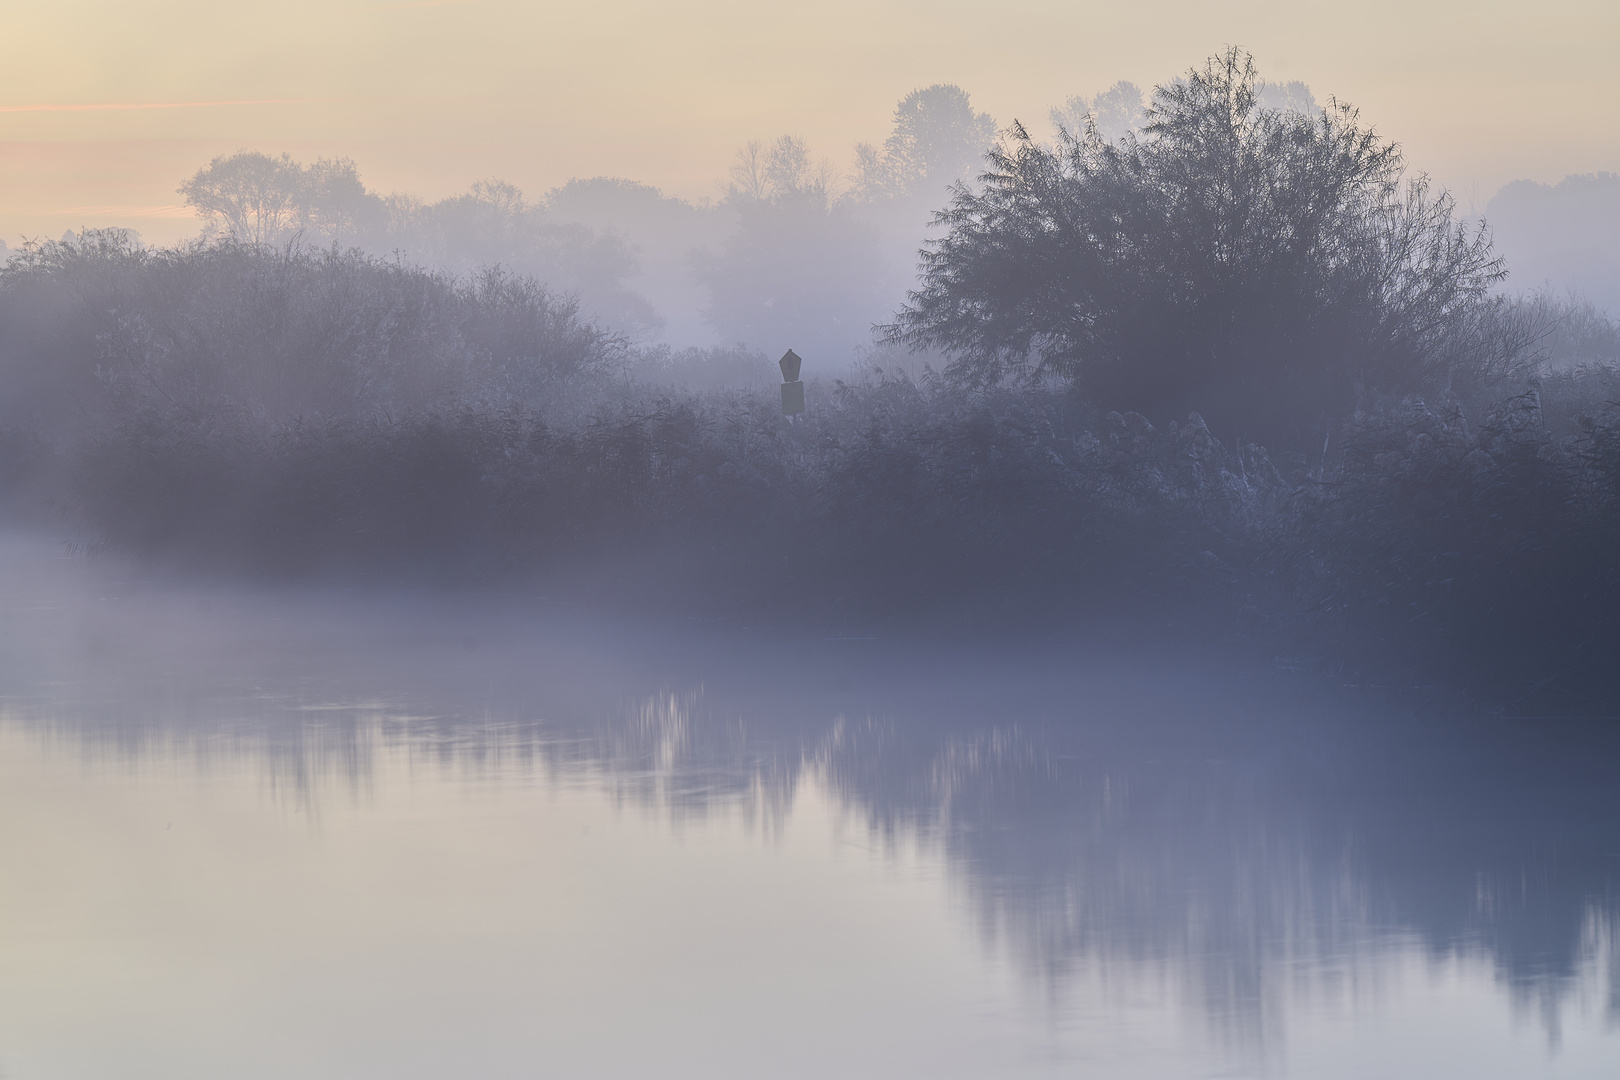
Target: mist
<point>1186,567</point>
<point>1049,373</point>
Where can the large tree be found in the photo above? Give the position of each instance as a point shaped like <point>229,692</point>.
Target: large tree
<point>252,197</point>
<point>1262,265</point>
<point>936,140</point>
<point>1115,113</point>
<point>258,199</point>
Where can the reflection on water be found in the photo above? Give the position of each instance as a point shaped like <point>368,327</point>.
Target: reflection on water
<point>632,848</point>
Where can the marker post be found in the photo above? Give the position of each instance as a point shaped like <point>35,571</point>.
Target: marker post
<point>792,388</point>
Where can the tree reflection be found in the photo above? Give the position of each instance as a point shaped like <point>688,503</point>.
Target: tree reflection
<point>1233,842</point>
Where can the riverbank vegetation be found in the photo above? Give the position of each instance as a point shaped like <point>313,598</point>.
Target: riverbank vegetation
<point>1236,374</point>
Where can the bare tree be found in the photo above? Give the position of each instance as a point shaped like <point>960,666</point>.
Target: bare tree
<point>782,168</point>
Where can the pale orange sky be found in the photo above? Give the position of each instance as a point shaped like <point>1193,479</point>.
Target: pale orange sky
<point>428,96</point>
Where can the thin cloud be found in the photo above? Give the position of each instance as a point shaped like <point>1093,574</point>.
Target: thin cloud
<point>169,211</point>
<point>120,106</point>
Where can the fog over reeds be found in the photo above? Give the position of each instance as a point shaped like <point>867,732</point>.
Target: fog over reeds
<point>1213,359</point>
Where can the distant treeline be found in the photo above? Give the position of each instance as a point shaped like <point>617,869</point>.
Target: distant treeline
<point>787,249</point>
<point>1402,472</point>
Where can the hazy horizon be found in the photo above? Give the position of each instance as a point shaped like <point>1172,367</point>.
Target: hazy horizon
<point>1154,620</point>
<point>105,108</point>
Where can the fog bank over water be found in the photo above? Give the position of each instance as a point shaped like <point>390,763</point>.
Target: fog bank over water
<point>1303,410</point>
<point>491,817</point>
<point>744,540</point>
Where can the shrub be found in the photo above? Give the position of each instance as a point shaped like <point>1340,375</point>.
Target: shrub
<point>1437,547</point>
<point>1427,545</point>
<point>100,327</point>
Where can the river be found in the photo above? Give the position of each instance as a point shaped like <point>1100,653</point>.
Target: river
<point>268,832</point>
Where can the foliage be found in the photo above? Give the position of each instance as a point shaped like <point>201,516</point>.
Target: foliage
<point>238,405</point>
<point>258,199</point>
<point>1427,546</point>
<point>255,199</point>
<point>1579,334</point>
<point>714,368</point>
<point>492,224</point>
<point>1113,114</point>
<point>782,170</point>
<point>1263,266</point>
<point>808,268</point>
<point>103,327</point>
<point>883,491</point>
<point>936,140</point>
<point>1442,546</point>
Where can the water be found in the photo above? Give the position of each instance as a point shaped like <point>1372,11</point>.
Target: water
<point>253,834</point>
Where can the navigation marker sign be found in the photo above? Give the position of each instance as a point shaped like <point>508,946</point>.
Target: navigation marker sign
<point>792,398</point>
<point>790,366</point>
<point>792,388</point>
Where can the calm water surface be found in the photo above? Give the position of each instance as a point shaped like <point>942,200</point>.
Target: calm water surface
<point>253,834</point>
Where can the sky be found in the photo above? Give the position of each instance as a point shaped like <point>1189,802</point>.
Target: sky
<point>106,106</point>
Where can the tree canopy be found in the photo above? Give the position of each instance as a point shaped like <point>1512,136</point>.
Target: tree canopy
<point>1115,113</point>
<point>937,139</point>
<point>1250,262</point>
<point>258,199</point>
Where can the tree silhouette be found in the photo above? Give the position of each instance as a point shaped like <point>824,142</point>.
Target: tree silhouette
<point>258,199</point>
<point>1263,266</point>
<point>937,139</point>
<point>1115,113</point>
<point>250,196</point>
